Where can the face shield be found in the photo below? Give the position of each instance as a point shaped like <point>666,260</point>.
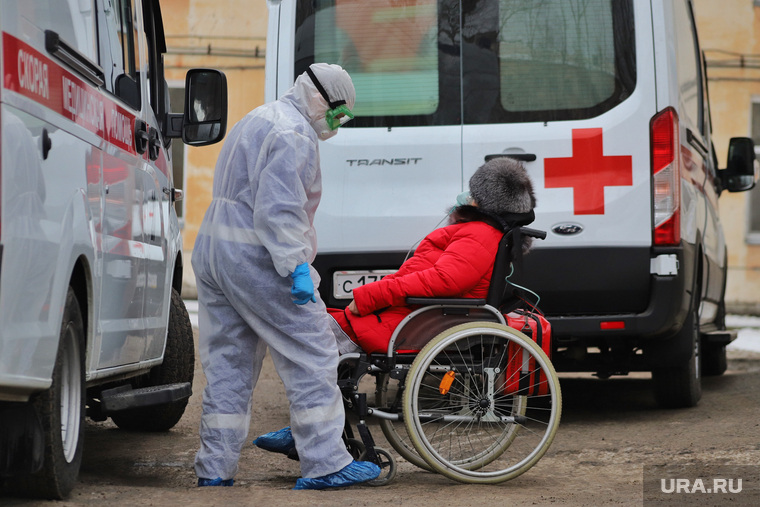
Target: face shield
<point>338,113</point>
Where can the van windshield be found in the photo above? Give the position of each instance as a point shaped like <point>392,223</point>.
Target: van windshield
<point>450,62</point>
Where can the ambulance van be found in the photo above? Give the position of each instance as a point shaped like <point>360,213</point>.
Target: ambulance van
<point>91,318</point>
<point>604,101</point>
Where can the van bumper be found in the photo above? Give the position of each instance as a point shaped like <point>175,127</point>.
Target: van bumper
<point>619,343</point>
<point>668,305</point>
<point>663,316</point>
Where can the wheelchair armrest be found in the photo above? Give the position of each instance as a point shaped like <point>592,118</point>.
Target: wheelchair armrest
<point>445,301</point>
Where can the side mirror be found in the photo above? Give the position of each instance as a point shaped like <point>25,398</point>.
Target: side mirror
<point>742,170</point>
<point>205,118</point>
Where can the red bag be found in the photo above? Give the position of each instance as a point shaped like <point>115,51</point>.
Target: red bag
<point>522,376</point>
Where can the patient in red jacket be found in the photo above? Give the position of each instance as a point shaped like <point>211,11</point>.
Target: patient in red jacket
<point>453,261</point>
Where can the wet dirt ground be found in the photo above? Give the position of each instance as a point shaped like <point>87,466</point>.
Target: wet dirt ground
<point>609,431</point>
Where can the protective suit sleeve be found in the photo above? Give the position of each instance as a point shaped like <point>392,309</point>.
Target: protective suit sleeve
<point>281,215</point>
<point>459,268</point>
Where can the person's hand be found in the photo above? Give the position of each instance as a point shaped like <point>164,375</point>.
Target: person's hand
<point>303,287</point>
<point>352,307</point>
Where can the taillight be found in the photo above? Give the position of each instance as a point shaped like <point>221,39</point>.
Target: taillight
<point>666,177</point>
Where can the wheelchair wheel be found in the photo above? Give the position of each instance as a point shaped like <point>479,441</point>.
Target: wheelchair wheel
<point>388,395</point>
<point>387,465</point>
<point>482,403</point>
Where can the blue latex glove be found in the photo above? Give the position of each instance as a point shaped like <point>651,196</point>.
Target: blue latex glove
<point>303,287</point>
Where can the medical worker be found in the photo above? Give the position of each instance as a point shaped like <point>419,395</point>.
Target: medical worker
<point>256,287</point>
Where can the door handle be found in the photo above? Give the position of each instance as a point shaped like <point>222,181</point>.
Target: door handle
<point>47,144</point>
<point>525,157</point>
<point>154,144</point>
<point>141,136</point>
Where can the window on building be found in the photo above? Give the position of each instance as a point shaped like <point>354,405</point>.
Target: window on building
<point>753,221</point>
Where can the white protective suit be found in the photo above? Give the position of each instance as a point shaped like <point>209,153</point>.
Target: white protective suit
<point>258,228</point>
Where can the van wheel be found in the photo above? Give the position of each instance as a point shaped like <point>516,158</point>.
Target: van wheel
<point>61,411</point>
<point>178,366</point>
<point>680,384</point>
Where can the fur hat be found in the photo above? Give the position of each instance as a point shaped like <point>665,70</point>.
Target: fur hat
<point>502,186</point>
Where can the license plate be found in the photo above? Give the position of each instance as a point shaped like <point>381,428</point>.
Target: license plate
<point>344,282</point>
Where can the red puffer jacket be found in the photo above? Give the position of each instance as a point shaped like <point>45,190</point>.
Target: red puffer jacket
<point>454,261</point>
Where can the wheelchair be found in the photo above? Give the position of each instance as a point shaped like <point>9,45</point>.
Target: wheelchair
<point>458,392</point>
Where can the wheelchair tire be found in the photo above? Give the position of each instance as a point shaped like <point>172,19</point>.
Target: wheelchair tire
<point>466,424</point>
<point>388,468</point>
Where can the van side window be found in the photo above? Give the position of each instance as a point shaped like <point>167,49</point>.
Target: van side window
<point>118,48</point>
<point>688,66</point>
<point>158,93</point>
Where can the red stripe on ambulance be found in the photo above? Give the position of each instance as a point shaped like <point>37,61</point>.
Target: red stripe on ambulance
<point>41,79</point>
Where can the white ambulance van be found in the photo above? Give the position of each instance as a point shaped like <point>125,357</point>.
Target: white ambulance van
<point>91,318</point>
<point>606,103</point>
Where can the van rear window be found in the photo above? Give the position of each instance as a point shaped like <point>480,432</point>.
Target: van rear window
<point>449,62</point>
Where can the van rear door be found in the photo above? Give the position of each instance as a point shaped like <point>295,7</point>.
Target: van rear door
<point>558,84</point>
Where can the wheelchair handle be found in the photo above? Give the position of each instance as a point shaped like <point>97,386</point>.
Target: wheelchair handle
<point>533,233</point>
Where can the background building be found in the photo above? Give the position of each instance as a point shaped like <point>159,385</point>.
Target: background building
<point>231,36</point>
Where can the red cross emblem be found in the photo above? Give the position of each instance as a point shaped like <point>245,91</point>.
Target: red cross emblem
<point>588,172</point>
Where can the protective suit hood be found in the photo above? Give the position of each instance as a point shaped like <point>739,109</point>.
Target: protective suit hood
<point>309,101</point>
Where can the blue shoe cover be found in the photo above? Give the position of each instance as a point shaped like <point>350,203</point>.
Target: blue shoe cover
<point>215,482</point>
<point>278,441</point>
<point>354,473</point>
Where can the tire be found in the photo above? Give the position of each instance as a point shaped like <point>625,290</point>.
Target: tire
<point>388,468</point>
<point>680,385</point>
<point>475,431</point>
<point>61,411</point>
<point>178,366</point>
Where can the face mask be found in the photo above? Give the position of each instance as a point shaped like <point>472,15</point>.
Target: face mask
<point>322,129</point>
<point>338,116</point>
<point>464,199</point>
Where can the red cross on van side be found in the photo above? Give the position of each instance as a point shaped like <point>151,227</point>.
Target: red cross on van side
<point>588,172</point>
